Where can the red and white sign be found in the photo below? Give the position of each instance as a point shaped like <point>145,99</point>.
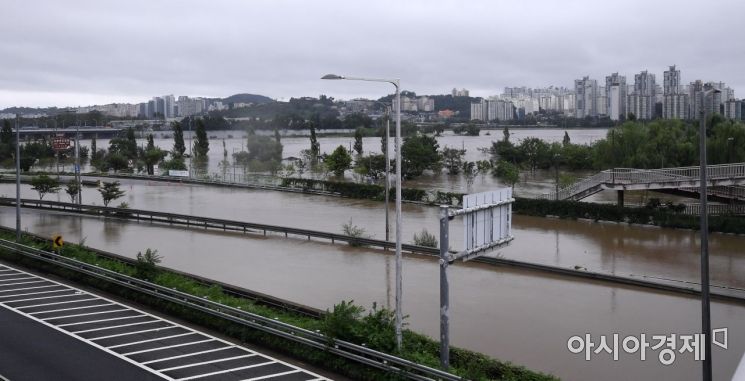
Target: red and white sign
<point>60,143</point>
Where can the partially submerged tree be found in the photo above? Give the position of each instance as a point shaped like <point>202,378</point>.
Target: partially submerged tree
<point>110,192</point>
<point>44,184</point>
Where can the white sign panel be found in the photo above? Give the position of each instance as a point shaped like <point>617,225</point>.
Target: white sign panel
<point>485,226</point>
<point>173,172</point>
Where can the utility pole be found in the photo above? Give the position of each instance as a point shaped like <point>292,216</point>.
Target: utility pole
<point>18,180</point>
<point>77,163</point>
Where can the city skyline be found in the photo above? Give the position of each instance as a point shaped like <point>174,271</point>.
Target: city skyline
<point>95,56</point>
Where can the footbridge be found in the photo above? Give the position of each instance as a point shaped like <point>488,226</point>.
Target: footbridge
<point>726,181</point>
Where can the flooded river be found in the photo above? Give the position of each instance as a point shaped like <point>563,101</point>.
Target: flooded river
<point>512,315</point>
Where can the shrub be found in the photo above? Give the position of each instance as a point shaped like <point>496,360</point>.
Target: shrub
<point>146,267</point>
<point>425,239</point>
<point>353,231</point>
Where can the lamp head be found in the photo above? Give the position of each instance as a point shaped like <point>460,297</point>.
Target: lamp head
<point>332,76</point>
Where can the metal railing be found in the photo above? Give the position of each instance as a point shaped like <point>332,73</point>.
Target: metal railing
<point>647,176</point>
<point>209,223</point>
<point>370,242</point>
<point>358,353</point>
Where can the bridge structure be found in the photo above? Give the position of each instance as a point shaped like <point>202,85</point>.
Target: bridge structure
<point>86,132</point>
<point>724,181</point>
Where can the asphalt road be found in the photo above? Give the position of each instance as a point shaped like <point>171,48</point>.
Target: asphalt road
<point>32,351</point>
<point>50,330</point>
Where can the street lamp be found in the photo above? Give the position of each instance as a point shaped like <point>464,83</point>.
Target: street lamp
<point>18,179</point>
<point>704,217</point>
<point>396,83</point>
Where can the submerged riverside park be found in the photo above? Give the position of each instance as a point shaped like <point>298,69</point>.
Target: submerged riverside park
<point>533,315</point>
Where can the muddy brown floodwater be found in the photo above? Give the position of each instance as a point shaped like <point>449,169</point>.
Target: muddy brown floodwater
<point>513,315</point>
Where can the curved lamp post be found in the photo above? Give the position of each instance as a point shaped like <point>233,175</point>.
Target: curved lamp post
<point>397,104</point>
<point>704,232</point>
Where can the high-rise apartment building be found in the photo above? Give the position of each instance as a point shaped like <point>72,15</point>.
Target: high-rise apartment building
<point>586,91</point>
<point>615,93</point>
<point>675,101</point>
<point>671,81</point>
<point>642,100</point>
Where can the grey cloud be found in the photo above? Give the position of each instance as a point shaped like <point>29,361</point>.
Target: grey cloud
<point>280,48</point>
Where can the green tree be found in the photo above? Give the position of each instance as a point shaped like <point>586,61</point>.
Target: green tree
<point>110,191</point>
<point>7,142</point>
<point>131,144</point>
<point>277,137</point>
<point>44,184</point>
<point>418,153</point>
<point>152,156</point>
<point>506,134</point>
<point>94,149</point>
<point>178,139</point>
<point>453,159</point>
<point>372,166</point>
<point>536,152</point>
<point>201,142</point>
<point>566,139</point>
<point>358,141</point>
<point>507,172</point>
<point>71,189</point>
<point>315,147</point>
<point>338,161</point>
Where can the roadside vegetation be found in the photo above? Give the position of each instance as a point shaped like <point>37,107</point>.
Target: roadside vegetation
<point>345,321</point>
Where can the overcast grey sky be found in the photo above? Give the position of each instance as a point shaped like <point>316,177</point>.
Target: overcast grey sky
<point>74,53</point>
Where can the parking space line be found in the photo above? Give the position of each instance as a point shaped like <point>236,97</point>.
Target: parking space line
<point>116,326</point>
<point>69,309</point>
<point>167,347</point>
<point>10,274</point>
<point>98,321</point>
<point>273,375</point>
<point>208,362</point>
<point>39,298</point>
<point>52,304</point>
<point>30,293</point>
<point>226,371</point>
<point>86,314</point>
<point>29,288</point>
<point>131,333</point>
<point>149,340</point>
<point>189,354</point>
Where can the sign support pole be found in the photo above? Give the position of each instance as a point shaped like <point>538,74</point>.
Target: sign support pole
<point>444,290</point>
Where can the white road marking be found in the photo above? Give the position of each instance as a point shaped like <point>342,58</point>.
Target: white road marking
<point>133,333</point>
<point>86,314</point>
<point>69,309</point>
<point>149,340</point>
<point>99,321</point>
<point>227,370</point>
<point>272,375</point>
<point>117,326</point>
<point>156,319</point>
<point>188,354</point>
<point>208,362</point>
<point>31,293</point>
<point>39,298</point>
<point>56,303</point>
<point>167,347</point>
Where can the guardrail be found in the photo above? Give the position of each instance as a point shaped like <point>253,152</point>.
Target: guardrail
<point>414,249</point>
<point>208,223</point>
<point>358,353</point>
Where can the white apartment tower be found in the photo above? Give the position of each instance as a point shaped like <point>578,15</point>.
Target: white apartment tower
<point>642,100</point>
<point>615,90</point>
<point>586,91</point>
<point>674,102</point>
